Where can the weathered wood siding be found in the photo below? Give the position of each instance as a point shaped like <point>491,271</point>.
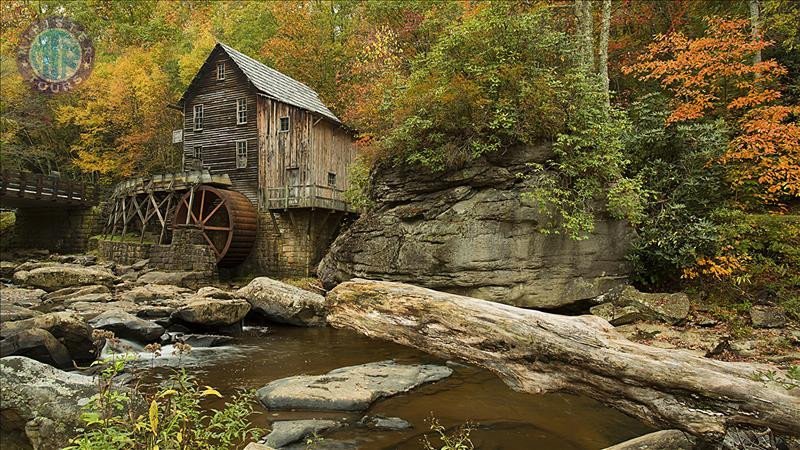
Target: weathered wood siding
<point>312,146</point>
<point>220,131</point>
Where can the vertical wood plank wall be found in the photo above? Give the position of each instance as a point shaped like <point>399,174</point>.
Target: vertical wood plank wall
<point>312,149</point>
<point>220,131</point>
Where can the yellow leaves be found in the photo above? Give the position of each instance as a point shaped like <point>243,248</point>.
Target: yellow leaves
<point>210,391</point>
<point>717,267</point>
<point>153,416</point>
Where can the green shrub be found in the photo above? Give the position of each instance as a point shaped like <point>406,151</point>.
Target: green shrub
<point>174,418</point>
<point>357,193</point>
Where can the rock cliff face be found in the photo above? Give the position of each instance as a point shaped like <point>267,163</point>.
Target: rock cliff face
<point>470,232</point>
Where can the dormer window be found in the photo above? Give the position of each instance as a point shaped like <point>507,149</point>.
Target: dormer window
<point>284,125</point>
<point>197,117</point>
<point>221,71</point>
<point>241,111</point>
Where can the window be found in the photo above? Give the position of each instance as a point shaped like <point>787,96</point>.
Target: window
<point>221,71</point>
<point>198,117</point>
<point>197,152</point>
<point>284,125</point>
<point>331,179</point>
<point>241,111</point>
<point>241,154</point>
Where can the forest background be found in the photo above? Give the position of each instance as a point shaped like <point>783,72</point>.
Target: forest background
<point>679,116</point>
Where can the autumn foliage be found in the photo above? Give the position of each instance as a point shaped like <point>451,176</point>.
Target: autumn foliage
<point>715,75</point>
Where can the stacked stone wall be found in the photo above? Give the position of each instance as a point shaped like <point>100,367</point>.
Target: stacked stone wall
<point>188,252</point>
<point>55,229</point>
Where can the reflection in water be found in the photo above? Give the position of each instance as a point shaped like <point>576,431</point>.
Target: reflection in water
<point>504,419</point>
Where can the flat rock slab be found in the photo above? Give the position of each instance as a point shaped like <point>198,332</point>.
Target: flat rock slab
<point>285,432</point>
<point>128,326</point>
<point>351,388</point>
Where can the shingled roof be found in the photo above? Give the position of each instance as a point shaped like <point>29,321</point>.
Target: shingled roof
<point>276,85</point>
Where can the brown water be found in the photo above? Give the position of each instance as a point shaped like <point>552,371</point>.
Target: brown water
<point>504,419</point>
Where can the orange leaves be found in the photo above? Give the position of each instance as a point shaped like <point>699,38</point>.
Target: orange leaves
<point>701,71</point>
<point>715,75</point>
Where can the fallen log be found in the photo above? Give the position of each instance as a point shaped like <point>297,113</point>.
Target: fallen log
<point>537,352</point>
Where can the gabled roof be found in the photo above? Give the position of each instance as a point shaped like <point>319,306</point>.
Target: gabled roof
<point>273,84</point>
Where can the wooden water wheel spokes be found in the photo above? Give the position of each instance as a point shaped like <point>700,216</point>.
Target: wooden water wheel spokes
<point>226,218</point>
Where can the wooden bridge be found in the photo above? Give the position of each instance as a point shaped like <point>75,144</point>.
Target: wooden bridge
<point>32,190</point>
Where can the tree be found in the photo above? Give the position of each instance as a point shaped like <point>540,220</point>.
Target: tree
<point>715,75</point>
<point>604,31</point>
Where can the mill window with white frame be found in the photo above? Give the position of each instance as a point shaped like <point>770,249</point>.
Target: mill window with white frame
<point>197,117</point>
<point>241,111</point>
<point>241,154</point>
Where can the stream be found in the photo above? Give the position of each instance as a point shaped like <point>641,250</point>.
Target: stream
<point>503,419</point>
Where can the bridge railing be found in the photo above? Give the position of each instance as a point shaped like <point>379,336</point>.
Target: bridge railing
<point>43,187</point>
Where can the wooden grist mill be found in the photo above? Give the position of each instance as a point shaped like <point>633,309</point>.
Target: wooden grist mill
<point>265,168</point>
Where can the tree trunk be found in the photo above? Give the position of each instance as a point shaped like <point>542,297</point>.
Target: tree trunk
<point>755,28</point>
<point>604,31</point>
<point>537,352</point>
<point>584,30</point>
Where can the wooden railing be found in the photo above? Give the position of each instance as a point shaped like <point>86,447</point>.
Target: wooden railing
<point>34,186</point>
<point>306,196</point>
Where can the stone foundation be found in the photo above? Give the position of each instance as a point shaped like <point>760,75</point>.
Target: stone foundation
<point>188,252</point>
<point>291,243</point>
<point>57,230</point>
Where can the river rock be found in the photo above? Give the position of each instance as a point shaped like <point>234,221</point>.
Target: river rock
<point>41,404</point>
<point>628,301</point>
<point>212,312</point>
<point>351,388</point>
<point>660,440</point>
<point>69,328</point>
<point>77,291</point>
<point>384,423</point>
<point>10,313</point>
<point>215,292</point>
<point>285,432</point>
<point>617,315</point>
<point>7,269</point>
<point>128,326</point>
<point>258,446</point>
<point>151,292</point>
<point>37,344</point>
<point>768,316</point>
<point>199,340</point>
<point>26,298</point>
<point>283,303</point>
<point>183,279</point>
<point>473,231</point>
<point>53,278</point>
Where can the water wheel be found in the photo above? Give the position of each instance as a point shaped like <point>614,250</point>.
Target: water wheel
<point>226,218</point>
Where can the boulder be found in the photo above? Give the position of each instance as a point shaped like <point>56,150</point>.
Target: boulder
<point>7,269</point>
<point>128,326</point>
<point>215,292</point>
<point>53,278</point>
<point>77,291</point>
<point>212,312</point>
<point>90,298</point>
<point>258,446</point>
<point>626,304</point>
<point>660,440</point>
<point>41,404</point>
<point>90,310</point>
<point>69,328</point>
<point>140,265</point>
<point>617,315</point>
<point>37,344</point>
<point>27,298</point>
<point>352,388</point>
<point>768,316</point>
<point>285,432</point>
<point>474,231</point>
<point>183,279</point>
<point>384,423</point>
<point>10,313</point>
<point>283,303</point>
<point>151,292</point>
<point>199,340</point>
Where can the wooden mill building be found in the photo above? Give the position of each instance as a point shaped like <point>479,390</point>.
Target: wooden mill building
<point>280,147</point>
